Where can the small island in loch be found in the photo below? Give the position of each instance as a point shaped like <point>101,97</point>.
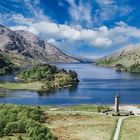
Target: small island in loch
<point>43,77</point>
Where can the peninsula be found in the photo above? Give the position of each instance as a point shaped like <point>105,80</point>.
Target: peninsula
<point>43,77</point>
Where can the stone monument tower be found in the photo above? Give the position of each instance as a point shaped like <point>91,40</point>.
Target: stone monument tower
<point>117,103</point>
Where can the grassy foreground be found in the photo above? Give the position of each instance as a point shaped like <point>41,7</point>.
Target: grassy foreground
<point>130,129</point>
<point>69,123</point>
<point>81,126</point>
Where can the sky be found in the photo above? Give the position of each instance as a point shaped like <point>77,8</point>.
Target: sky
<point>90,28</point>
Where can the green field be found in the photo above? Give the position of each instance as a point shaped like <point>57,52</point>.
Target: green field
<point>81,126</point>
<point>88,108</point>
<point>35,86</point>
<point>130,129</point>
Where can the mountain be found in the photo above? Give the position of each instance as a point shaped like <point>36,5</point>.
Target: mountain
<point>25,47</point>
<point>124,59</point>
<point>83,59</point>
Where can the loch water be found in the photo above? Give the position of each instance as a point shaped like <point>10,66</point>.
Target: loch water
<point>98,85</point>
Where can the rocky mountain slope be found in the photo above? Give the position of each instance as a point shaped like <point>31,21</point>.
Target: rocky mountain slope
<point>25,47</point>
<point>124,58</point>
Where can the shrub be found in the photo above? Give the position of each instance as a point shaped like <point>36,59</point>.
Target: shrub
<point>134,68</point>
<point>103,109</point>
<point>27,120</point>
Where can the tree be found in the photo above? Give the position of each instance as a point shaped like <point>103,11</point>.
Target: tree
<point>12,126</point>
<point>135,68</point>
<point>21,126</point>
<point>40,133</point>
<point>2,126</point>
<point>6,131</point>
<point>19,137</point>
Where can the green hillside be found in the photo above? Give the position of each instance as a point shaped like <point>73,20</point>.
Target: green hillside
<point>6,66</point>
<point>127,59</point>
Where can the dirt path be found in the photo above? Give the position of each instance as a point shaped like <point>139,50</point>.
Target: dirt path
<point>117,132</point>
<point>134,109</point>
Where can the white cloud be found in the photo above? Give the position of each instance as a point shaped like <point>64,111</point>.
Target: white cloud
<point>80,13</point>
<point>34,10</point>
<point>103,36</point>
<point>105,2</point>
<point>110,9</point>
<point>51,40</point>
<point>29,12</point>
<point>20,19</point>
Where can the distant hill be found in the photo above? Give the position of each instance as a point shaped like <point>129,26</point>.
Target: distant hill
<point>83,59</point>
<point>125,59</point>
<point>25,47</point>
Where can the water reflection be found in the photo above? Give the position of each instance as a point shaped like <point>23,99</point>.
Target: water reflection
<point>71,90</point>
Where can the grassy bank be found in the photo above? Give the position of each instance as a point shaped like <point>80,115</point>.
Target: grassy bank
<point>32,86</point>
<point>88,108</point>
<point>130,129</point>
<point>35,86</point>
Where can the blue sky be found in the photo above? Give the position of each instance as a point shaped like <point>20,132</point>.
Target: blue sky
<point>90,28</point>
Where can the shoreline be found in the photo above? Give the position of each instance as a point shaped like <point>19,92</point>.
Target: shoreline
<point>88,108</point>
<point>32,86</point>
<point>122,106</point>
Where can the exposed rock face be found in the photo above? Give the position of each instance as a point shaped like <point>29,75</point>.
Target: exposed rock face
<point>27,47</point>
<point>126,56</point>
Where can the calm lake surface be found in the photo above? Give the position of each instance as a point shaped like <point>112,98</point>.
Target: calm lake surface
<point>98,85</point>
